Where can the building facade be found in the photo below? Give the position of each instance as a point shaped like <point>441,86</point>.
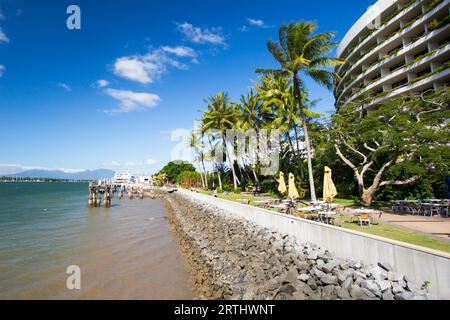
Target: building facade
<point>397,47</point>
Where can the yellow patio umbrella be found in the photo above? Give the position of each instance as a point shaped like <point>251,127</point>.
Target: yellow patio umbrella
<point>282,184</point>
<point>329,189</point>
<point>293,193</point>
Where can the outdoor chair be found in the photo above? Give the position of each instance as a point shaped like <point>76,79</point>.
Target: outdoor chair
<point>339,219</point>
<point>364,218</point>
<point>445,210</point>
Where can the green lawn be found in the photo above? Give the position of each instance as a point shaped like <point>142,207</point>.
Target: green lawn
<point>400,234</point>
<point>380,229</point>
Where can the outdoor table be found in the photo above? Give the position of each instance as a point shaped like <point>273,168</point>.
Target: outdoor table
<point>326,216</point>
<point>310,209</point>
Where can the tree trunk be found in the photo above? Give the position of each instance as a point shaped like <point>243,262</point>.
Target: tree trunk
<point>229,161</point>
<point>312,188</point>
<point>367,196</point>
<point>256,176</point>
<point>299,158</point>
<point>220,180</point>
<point>206,176</point>
<point>203,182</point>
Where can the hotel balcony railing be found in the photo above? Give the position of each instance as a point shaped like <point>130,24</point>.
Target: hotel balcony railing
<point>381,62</point>
<point>348,53</point>
<point>406,68</point>
<point>413,85</point>
<point>395,35</point>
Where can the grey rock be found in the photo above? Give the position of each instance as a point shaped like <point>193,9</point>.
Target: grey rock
<point>377,273</point>
<point>405,295</point>
<point>343,294</point>
<point>385,266</point>
<point>329,279</point>
<point>394,276</point>
<point>318,273</point>
<point>302,265</point>
<point>303,287</point>
<point>303,277</point>
<point>360,275</point>
<point>298,295</point>
<point>387,295</point>
<point>372,286</point>
<point>329,293</point>
<point>341,277</point>
<point>383,285</point>
<point>312,284</point>
<point>359,293</point>
<point>347,284</point>
<point>328,267</point>
<point>312,255</point>
<point>319,263</point>
<point>397,288</point>
<point>290,276</point>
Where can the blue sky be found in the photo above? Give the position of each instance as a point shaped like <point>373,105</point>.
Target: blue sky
<point>109,95</point>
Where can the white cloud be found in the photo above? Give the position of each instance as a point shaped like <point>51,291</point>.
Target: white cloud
<point>64,86</point>
<point>130,101</point>
<point>255,23</point>
<point>149,67</point>
<point>180,51</point>
<point>102,83</point>
<point>198,35</point>
<point>3,37</point>
<point>243,29</point>
<point>2,70</point>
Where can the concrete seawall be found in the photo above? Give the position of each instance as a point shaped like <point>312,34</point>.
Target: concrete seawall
<point>418,263</point>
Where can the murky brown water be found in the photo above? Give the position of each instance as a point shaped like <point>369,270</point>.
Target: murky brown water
<point>125,252</point>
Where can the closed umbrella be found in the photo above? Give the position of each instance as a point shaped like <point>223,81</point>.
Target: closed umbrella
<point>282,184</point>
<point>329,189</point>
<point>293,193</point>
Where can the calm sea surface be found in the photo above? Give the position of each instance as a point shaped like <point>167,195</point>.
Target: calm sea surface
<point>124,252</point>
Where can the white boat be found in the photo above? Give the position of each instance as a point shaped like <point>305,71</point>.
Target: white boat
<point>121,178</point>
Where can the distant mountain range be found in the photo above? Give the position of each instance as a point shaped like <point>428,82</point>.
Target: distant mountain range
<point>58,174</point>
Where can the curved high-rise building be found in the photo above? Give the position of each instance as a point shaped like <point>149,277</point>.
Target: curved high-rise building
<point>396,47</point>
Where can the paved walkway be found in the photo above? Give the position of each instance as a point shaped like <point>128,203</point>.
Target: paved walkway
<point>436,226</point>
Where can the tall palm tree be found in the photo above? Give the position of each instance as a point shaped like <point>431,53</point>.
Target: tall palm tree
<point>221,115</point>
<point>300,52</point>
<point>196,144</point>
<point>251,116</point>
<point>277,92</point>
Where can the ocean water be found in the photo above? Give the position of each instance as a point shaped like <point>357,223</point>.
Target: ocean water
<point>124,252</point>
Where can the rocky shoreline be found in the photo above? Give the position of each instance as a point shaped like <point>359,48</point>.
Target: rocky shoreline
<point>233,259</point>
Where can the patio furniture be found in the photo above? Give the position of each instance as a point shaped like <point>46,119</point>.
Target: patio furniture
<point>326,216</point>
<point>339,219</point>
<point>364,218</point>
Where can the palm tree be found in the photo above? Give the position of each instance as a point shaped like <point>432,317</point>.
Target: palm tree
<point>251,116</point>
<point>221,115</point>
<point>196,144</point>
<point>299,51</point>
<point>277,92</point>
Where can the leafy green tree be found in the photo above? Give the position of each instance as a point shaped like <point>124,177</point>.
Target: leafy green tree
<point>394,143</point>
<point>173,169</point>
